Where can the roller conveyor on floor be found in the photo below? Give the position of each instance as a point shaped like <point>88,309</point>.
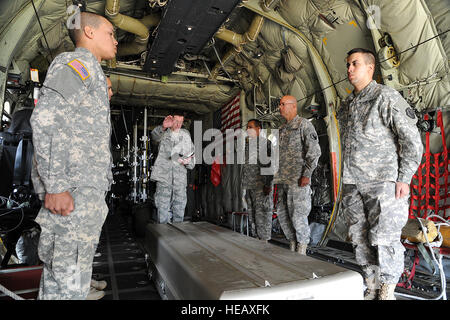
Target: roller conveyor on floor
<point>205,261</point>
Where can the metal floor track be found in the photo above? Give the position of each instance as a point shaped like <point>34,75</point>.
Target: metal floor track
<point>122,263</point>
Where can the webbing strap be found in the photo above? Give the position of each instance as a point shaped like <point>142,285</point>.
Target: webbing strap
<point>275,199</point>
<point>409,276</point>
<point>426,195</point>
<point>10,293</point>
<point>426,256</point>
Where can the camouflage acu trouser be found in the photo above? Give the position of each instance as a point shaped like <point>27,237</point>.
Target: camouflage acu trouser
<point>170,199</point>
<point>375,219</point>
<point>293,208</point>
<point>259,208</point>
<point>67,246</point>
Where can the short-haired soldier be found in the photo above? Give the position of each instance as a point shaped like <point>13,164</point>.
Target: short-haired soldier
<point>72,159</point>
<point>381,149</point>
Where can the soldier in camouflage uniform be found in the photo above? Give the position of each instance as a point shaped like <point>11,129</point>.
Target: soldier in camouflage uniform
<point>258,184</point>
<point>382,149</point>
<point>72,159</point>
<point>299,152</point>
<point>175,154</point>
<point>96,292</point>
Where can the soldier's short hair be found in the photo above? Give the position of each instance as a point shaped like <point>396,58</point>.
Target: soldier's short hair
<point>257,123</point>
<point>369,56</point>
<point>86,19</point>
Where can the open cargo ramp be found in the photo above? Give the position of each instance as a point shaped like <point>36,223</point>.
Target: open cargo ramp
<point>191,261</point>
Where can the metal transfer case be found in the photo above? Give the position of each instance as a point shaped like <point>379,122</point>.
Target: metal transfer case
<point>200,260</point>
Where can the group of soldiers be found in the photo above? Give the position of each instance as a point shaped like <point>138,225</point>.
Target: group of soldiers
<point>299,152</point>
<point>381,149</point>
<point>297,157</point>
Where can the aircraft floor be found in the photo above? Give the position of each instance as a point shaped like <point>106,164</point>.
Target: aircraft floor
<point>122,263</point>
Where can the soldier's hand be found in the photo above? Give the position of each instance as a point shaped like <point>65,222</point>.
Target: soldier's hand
<point>401,190</point>
<point>184,161</point>
<point>59,203</point>
<point>267,189</point>
<point>303,181</point>
<point>168,122</point>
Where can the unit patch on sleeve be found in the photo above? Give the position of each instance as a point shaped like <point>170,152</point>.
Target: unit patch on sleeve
<point>410,113</point>
<point>76,65</point>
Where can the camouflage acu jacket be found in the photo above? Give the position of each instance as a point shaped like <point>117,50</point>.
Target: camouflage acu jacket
<point>172,146</point>
<point>299,151</point>
<point>379,136</point>
<point>257,156</point>
<point>71,126</point>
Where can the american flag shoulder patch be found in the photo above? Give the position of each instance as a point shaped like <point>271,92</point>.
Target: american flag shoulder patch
<point>79,68</point>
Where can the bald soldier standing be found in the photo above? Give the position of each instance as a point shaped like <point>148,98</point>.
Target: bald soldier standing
<point>382,149</point>
<point>299,152</point>
<point>72,162</point>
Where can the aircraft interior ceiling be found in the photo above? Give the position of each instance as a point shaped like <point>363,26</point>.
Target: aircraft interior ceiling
<point>195,57</point>
<point>319,33</point>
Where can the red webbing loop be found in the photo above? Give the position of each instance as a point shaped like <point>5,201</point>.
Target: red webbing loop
<point>408,276</point>
<point>422,189</point>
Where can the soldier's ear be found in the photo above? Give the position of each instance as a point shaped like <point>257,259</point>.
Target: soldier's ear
<point>88,32</point>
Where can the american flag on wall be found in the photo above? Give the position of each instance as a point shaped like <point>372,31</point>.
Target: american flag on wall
<point>231,115</point>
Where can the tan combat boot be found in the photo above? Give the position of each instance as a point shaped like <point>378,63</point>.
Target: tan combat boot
<point>301,249</point>
<point>386,292</point>
<point>95,294</point>
<point>371,292</point>
<point>292,245</point>
<point>99,285</point>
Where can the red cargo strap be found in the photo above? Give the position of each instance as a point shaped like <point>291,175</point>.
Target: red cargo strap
<point>428,191</point>
<point>408,276</point>
<point>275,199</point>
